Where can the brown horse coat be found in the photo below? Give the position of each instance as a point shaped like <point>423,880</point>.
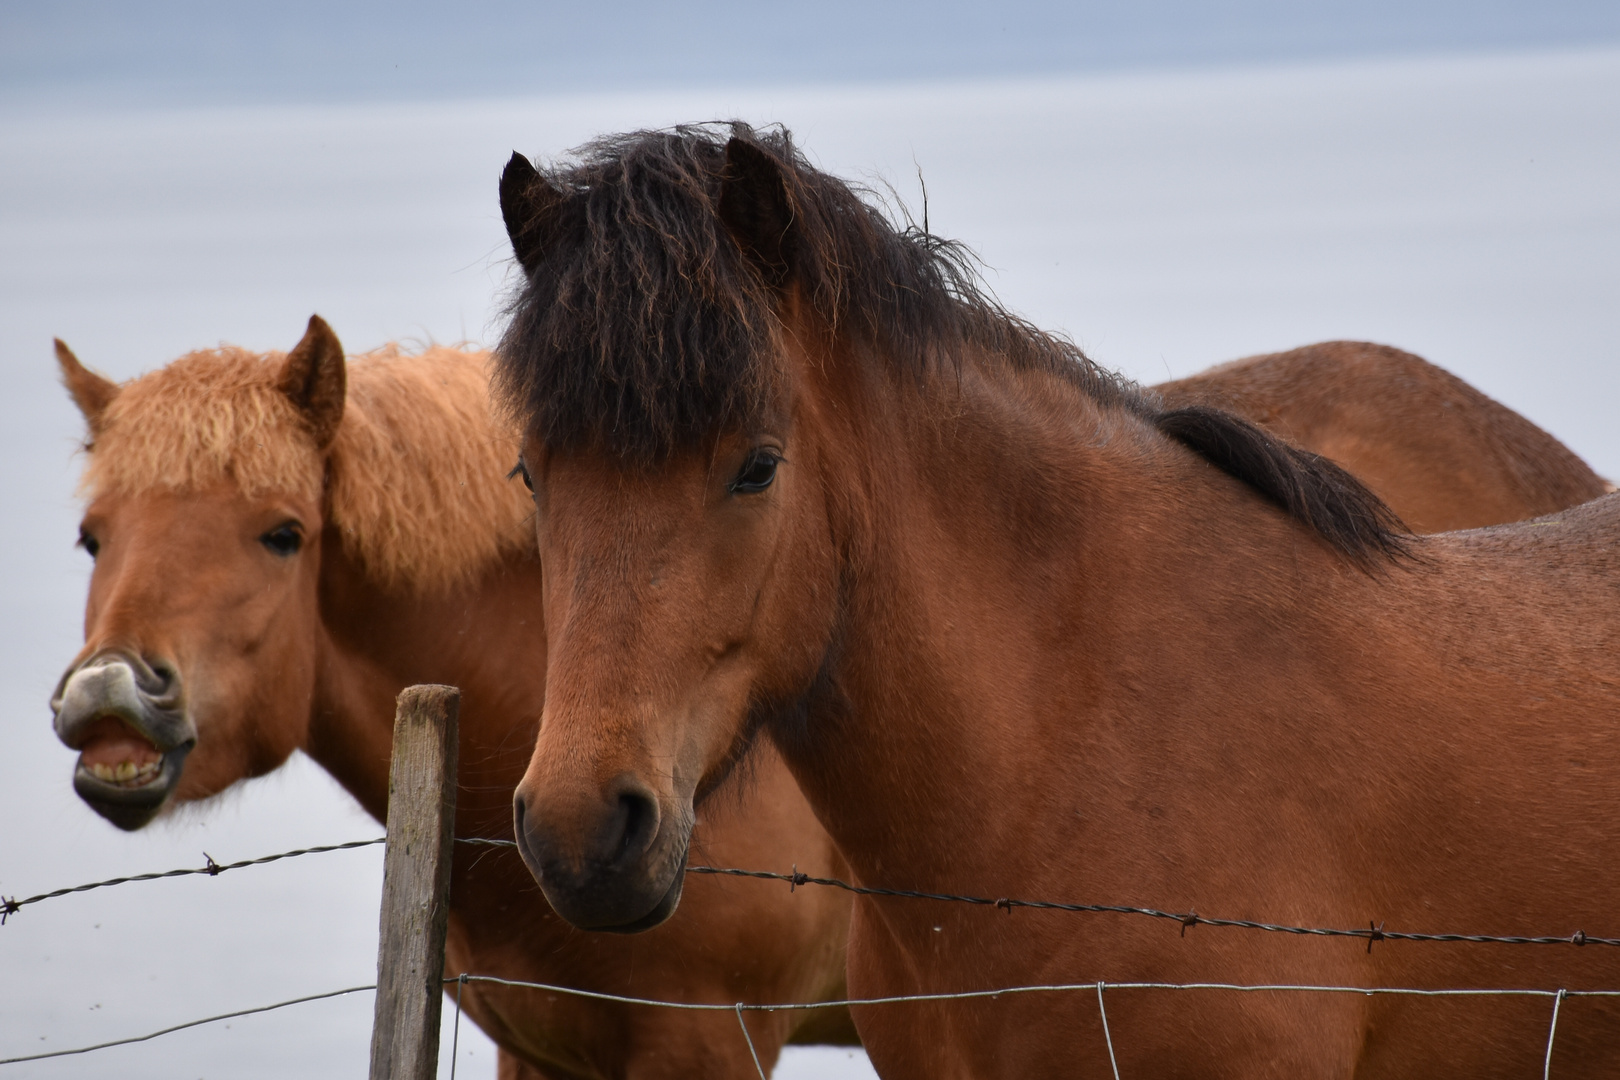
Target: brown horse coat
<point>1440,453</point>
<point>197,473</point>
<point>1021,631</point>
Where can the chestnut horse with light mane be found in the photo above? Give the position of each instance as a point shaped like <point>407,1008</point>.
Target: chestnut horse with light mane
<point>284,542</point>
<point>1018,629</point>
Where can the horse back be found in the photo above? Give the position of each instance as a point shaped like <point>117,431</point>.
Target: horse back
<point>1442,454</point>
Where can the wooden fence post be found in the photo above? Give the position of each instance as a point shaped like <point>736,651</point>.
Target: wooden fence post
<point>416,885</point>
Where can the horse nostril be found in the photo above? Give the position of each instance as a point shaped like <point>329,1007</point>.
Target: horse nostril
<point>638,816</point>
<point>163,679</point>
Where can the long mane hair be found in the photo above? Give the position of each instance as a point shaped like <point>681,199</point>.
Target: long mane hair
<point>640,326</point>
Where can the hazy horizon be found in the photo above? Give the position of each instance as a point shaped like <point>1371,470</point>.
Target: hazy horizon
<point>170,52</point>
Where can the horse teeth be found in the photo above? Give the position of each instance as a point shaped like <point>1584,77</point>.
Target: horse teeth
<point>126,772</point>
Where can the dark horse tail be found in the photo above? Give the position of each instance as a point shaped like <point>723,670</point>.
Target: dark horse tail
<point>1308,486</point>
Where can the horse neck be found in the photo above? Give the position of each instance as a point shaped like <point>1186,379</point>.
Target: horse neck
<point>1016,548</point>
<point>480,636</point>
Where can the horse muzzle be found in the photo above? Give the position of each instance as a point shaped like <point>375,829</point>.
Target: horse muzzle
<point>615,864</point>
<point>128,721</point>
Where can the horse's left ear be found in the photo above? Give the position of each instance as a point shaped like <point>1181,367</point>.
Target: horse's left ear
<point>756,209</point>
<point>316,379</point>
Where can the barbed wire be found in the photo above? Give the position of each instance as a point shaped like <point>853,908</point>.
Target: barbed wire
<point>9,906</point>
<point>1374,932</point>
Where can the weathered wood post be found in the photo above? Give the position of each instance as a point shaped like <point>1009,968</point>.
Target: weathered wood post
<point>416,885</point>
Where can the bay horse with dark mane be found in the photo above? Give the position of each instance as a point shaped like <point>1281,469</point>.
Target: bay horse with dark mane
<point>282,543</point>
<point>1019,629</point>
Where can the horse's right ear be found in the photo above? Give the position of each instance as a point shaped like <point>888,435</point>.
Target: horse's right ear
<point>527,199</point>
<point>92,393</point>
<point>315,377</point>
<point>756,209</point>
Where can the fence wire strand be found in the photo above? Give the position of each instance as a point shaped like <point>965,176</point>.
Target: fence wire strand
<point>1186,919</point>
<point>739,1008</point>
<point>1108,1038</point>
<point>1040,988</point>
<point>1373,933</point>
<point>1552,1030</point>
<point>750,1040</point>
<point>187,1024</point>
<point>9,906</point>
<point>455,1032</point>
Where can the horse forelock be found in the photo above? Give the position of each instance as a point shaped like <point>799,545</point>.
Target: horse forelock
<point>213,416</point>
<point>640,326</point>
<point>413,480</point>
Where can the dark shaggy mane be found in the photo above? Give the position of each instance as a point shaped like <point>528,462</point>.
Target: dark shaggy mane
<point>1310,487</point>
<point>641,327</point>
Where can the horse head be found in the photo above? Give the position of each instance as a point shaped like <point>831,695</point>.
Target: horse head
<point>690,577</point>
<point>205,497</point>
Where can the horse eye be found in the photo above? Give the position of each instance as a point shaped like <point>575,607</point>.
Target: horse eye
<point>756,473</point>
<point>283,540</point>
<point>522,470</point>
<point>90,544</point>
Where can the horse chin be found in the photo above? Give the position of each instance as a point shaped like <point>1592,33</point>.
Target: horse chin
<point>659,914</point>
<point>616,907</point>
<point>130,805</point>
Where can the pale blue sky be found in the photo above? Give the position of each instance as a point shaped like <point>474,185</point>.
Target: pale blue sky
<point>208,51</point>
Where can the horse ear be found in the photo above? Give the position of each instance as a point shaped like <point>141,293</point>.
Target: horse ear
<point>92,393</point>
<point>527,199</point>
<point>315,378</point>
<point>755,208</point>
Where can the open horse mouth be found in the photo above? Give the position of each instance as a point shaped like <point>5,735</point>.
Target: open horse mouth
<point>115,753</point>
<point>132,742</point>
<point>122,775</point>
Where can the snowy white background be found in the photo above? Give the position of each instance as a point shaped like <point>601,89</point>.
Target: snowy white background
<point>1464,208</point>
